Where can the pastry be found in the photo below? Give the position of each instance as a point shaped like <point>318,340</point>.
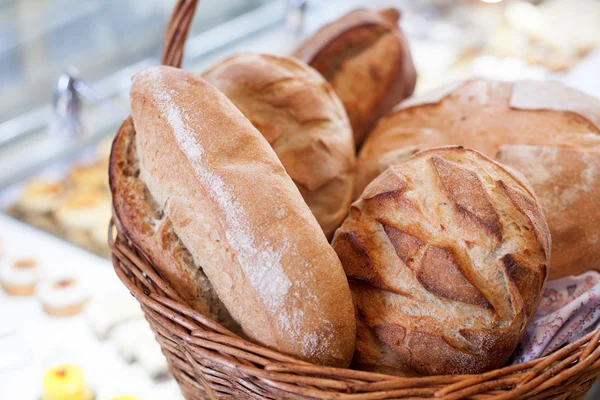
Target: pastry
<point>446,255</point>
<point>40,195</point>
<point>563,123</point>
<point>62,297</point>
<point>303,120</point>
<point>84,209</point>
<point>187,195</point>
<point>66,382</point>
<point>20,277</point>
<point>366,58</point>
<point>91,176</point>
<point>84,215</point>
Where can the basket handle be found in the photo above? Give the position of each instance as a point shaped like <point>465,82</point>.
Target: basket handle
<point>177,32</point>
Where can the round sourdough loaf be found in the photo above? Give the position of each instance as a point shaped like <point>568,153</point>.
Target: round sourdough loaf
<point>303,120</point>
<point>560,127</point>
<point>446,256</point>
<point>366,58</point>
<point>199,190</point>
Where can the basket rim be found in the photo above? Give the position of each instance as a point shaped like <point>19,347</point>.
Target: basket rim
<point>227,350</point>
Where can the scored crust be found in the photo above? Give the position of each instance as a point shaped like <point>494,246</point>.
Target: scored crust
<point>366,58</point>
<point>485,115</point>
<point>447,257</point>
<point>303,120</point>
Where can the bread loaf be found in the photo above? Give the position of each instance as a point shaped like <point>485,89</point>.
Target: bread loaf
<point>210,192</point>
<point>303,120</point>
<point>486,115</point>
<point>446,256</point>
<point>365,57</point>
<point>567,185</point>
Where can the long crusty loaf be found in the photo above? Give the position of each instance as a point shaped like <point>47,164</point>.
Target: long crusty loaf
<point>302,118</point>
<point>485,115</point>
<point>366,58</point>
<point>146,224</point>
<point>447,257</point>
<point>239,216</point>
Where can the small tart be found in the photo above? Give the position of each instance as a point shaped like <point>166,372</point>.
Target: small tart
<point>40,195</point>
<point>20,277</point>
<point>62,297</point>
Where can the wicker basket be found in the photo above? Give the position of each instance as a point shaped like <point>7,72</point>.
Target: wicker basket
<point>209,362</point>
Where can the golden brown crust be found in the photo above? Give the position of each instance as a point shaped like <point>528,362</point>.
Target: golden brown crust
<point>365,56</point>
<point>301,117</point>
<point>447,264</point>
<point>151,231</point>
<point>567,185</point>
<point>486,115</point>
<point>240,217</point>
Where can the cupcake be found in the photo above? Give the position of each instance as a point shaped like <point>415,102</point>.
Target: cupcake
<point>20,277</point>
<point>62,297</point>
<point>66,382</point>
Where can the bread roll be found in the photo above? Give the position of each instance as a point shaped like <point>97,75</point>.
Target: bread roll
<point>446,256</point>
<point>209,176</point>
<point>486,115</point>
<point>303,120</point>
<point>365,57</point>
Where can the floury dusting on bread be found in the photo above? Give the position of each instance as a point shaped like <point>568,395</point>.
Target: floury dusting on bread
<point>261,263</point>
<point>240,217</point>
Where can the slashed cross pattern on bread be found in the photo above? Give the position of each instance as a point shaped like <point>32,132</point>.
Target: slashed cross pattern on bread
<point>208,189</point>
<point>302,118</point>
<point>366,58</point>
<point>546,130</point>
<point>447,256</point>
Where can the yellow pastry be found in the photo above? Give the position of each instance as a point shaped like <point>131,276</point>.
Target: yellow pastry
<point>66,382</point>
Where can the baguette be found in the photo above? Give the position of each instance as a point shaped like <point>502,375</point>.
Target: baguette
<point>214,180</point>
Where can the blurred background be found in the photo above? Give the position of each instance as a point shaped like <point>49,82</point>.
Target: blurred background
<point>65,70</point>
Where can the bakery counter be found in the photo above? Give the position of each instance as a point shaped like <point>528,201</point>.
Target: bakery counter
<point>39,331</point>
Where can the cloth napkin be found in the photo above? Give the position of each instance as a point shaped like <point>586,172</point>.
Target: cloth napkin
<point>569,309</point>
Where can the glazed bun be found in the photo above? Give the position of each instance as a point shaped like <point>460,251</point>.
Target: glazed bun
<point>446,256</point>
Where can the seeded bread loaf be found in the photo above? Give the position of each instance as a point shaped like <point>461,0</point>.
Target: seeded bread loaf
<point>366,58</point>
<point>446,256</point>
<point>303,120</point>
<point>209,191</point>
<point>486,115</point>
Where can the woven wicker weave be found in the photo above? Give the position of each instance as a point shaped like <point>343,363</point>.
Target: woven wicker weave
<point>209,362</point>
